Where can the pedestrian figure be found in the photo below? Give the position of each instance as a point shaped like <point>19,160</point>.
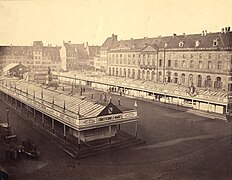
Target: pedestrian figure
<point>136,104</point>
<point>119,102</point>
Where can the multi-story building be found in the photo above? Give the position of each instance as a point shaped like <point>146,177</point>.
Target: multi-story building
<point>101,62</point>
<point>202,60</point>
<point>36,57</point>
<point>74,56</point>
<point>15,54</point>
<point>45,56</point>
<point>93,54</point>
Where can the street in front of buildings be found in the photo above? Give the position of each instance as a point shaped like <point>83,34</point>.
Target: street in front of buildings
<point>178,145</point>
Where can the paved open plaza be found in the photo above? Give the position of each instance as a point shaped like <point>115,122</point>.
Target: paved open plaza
<point>178,145</point>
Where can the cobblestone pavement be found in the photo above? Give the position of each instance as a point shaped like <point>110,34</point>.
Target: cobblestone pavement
<point>179,145</point>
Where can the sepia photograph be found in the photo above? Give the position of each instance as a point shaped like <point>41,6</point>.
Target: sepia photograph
<point>115,90</point>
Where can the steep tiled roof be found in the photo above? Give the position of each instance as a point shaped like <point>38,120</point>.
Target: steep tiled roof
<point>110,42</point>
<point>224,40</point>
<point>81,51</point>
<point>16,50</point>
<point>70,48</point>
<point>94,50</point>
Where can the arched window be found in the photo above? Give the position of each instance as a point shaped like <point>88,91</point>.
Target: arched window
<point>159,76</point>
<point>176,63</point>
<point>191,64</point>
<point>124,72</point>
<point>210,65</point>
<point>169,76</point>
<point>109,70</point>
<point>116,71</point>
<point>190,82</point>
<point>113,71</point>
<point>139,74</point>
<point>199,81</point>
<point>148,76</point>
<point>133,73</point>
<point>208,82</point>
<point>218,83</point>
<point>143,75</point>
<point>175,78</point>
<point>183,64</point>
<point>153,75</point>
<point>183,78</point>
<point>128,73</point>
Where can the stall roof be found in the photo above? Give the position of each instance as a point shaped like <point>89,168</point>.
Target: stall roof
<point>73,105</point>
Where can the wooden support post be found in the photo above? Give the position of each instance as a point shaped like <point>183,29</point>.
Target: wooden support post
<point>53,126</point>
<point>208,107</point>
<point>27,111</point>
<point>21,107</point>
<point>136,129</point>
<point>15,103</point>
<point>79,140</point>
<point>110,134</point>
<point>34,115</point>
<point>43,119</point>
<point>65,132</point>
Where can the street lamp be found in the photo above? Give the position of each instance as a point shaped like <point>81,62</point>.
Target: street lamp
<point>7,118</point>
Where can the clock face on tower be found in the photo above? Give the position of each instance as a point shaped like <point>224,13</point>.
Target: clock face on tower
<point>110,110</point>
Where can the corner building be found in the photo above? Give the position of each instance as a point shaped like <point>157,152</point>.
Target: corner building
<point>202,60</point>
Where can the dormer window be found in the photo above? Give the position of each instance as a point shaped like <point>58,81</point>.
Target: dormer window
<point>197,43</point>
<point>215,42</point>
<point>166,45</point>
<point>181,44</point>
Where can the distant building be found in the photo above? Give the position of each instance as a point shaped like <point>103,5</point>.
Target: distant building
<point>37,57</point>
<point>108,45</point>
<point>78,56</point>
<point>93,53</point>
<point>15,70</point>
<point>202,60</point>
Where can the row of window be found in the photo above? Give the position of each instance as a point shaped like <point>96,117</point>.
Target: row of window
<point>175,63</point>
<point>192,64</point>
<point>177,56</point>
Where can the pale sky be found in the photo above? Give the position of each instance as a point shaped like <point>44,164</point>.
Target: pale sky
<point>52,21</point>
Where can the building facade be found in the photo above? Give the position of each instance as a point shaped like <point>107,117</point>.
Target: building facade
<point>36,57</point>
<point>77,56</point>
<point>202,60</point>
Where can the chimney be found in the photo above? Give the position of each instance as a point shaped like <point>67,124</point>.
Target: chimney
<point>174,35</point>
<point>183,34</point>
<point>69,42</point>
<point>203,33</point>
<point>222,30</point>
<point>115,37</point>
<point>228,29</point>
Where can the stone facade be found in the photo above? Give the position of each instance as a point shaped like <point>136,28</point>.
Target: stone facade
<point>203,60</point>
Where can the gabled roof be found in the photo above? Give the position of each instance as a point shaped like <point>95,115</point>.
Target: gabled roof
<point>81,51</point>
<point>94,50</point>
<point>10,66</point>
